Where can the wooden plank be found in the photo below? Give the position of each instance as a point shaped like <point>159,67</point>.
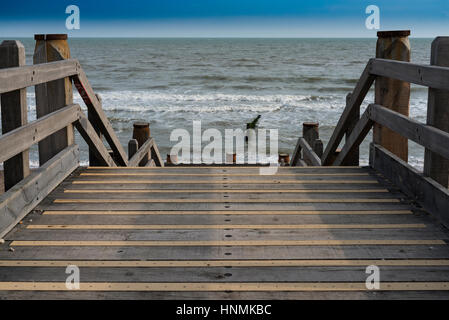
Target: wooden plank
<point>214,286</point>
<point>249,191</point>
<point>296,156</point>
<point>221,175</point>
<point>141,153</point>
<point>226,253</point>
<point>94,107</point>
<point>24,137</point>
<point>357,97</point>
<point>26,76</point>
<point>24,196</point>
<point>225,226</point>
<point>232,168</point>
<point>271,181</point>
<point>221,263</point>
<point>50,243</point>
<point>14,113</point>
<point>96,145</point>
<point>428,193</point>
<point>353,158</point>
<point>430,137</point>
<point>292,212</point>
<point>356,138</point>
<point>308,152</point>
<point>429,76</point>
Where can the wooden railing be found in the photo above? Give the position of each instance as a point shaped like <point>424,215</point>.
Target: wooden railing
<point>431,195</point>
<point>24,190</point>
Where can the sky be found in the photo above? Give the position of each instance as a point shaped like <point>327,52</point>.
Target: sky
<point>223,18</point>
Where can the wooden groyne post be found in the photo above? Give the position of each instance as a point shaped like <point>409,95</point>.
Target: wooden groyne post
<point>141,133</point>
<point>436,166</point>
<point>14,112</point>
<point>391,93</point>
<point>53,95</point>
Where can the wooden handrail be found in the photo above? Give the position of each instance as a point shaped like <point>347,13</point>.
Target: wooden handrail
<point>357,97</point>
<point>94,106</point>
<point>26,76</point>
<point>24,137</point>
<point>424,75</point>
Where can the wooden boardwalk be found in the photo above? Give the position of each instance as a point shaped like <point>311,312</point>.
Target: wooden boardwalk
<point>226,233</point>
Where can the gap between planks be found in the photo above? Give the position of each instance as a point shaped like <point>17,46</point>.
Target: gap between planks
<point>231,226</point>
<point>218,212</point>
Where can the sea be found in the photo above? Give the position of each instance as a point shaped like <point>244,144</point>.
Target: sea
<point>225,83</point>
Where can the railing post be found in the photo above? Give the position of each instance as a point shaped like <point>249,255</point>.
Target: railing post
<point>310,133</point>
<point>14,112</point>
<point>354,158</point>
<point>133,146</point>
<point>93,119</point>
<point>436,166</point>
<point>53,95</point>
<point>390,93</point>
<point>141,132</point>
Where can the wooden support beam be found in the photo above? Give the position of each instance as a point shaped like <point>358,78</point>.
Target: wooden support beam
<point>354,158</point>
<point>357,97</point>
<point>24,137</point>
<point>392,93</point>
<point>356,138</point>
<point>296,156</point>
<point>25,195</point>
<point>133,146</point>
<point>26,76</point>
<point>14,113</point>
<point>53,95</point>
<point>156,156</point>
<point>433,197</point>
<point>432,138</point>
<point>141,153</point>
<point>141,132</point>
<point>93,119</point>
<point>96,145</point>
<point>309,154</point>
<point>436,166</point>
<point>94,107</point>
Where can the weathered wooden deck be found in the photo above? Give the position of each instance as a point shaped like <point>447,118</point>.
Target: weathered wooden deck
<point>226,232</point>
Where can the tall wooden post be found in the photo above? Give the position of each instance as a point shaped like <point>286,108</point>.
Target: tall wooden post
<point>53,95</point>
<point>435,166</point>
<point>14,112</point>
<point>93,119</point>
<point>310,133</point>
<point>141,132</point>
<point>354,158</point>
<point>390,93</point>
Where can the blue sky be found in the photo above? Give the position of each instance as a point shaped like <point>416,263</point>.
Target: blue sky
<point>223,18</point>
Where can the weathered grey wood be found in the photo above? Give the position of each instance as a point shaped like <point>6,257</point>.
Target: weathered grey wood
<point>141,153</point>
<point>151,163</point>
<point>357,97</point>
<point>14,113</point>
<point>430,137</point>
<point>24,137</point>
<point>308,153</point>
<point>223,274</point>
<point>93,119</point>
<point>429,194</point>
<point>318,148</point>
<point>52,96</point>
<point>429,76</point>
<point>356,138</point>
<point>436,166</point>
<point>24,196</point>
<point>235,252</point>
<point>156,156</point>
<point>296,156</point>
<point>94,107</point>
<point>96,145</point>
<point>354,158</point>
<point>26,76</point>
